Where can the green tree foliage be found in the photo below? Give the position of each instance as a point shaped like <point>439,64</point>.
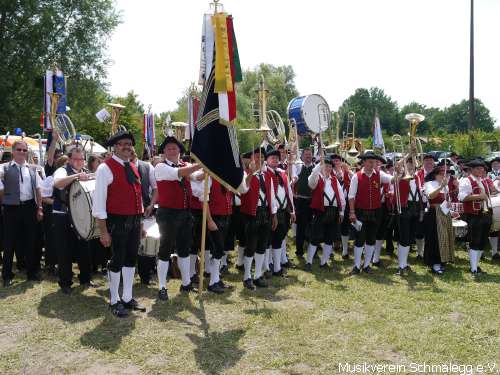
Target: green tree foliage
<point>36,33</point>
<point>365,103</point>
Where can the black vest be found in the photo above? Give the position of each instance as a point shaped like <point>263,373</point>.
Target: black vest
<point>61,196</point>
<point>143,169</point>
<point>303,189</point>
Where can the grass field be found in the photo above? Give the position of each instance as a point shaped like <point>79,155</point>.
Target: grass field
<point>305,324</point>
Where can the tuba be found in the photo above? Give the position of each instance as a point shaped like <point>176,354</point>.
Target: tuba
<point>277,135</point>
<point>116,110</point>
<point>415,147</point>
<point>61,122</point>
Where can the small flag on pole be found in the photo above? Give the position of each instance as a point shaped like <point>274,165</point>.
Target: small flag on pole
<point>378,140</point>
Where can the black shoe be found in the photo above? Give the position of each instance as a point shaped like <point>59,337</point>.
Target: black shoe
<point>145,282</point>
<point>438,272</point>
<point>378,264</point>
<point>215,288</point>
<point>224,270</point>
<point>195,279</point>
<point>206,274</point>
<point>400,271</point>
<point>188,288</point>
<point>308,267</point>
<point>90,284</point>
<point>367,269</point>
<point>118,310</point>
<point>280,273</point>
<point>260,282</point>
<point>51,271</point>
<point>7,283</point>
<point>299,256</point>
<point>163,294</point>
<point>324,266</point>
<point>104,271</point>
<point>355,271</point>
<point>419,257</point>
<point>287,265</point>
<point>248,283</point>
<point>133,305</point>
<point>240,267</point>
<point>225,286</point>
<point>475,273</point>
<point>408,269</point>
<point>66,289</point>
<point>479,270</point>
<point>345,257</point>
<point>496,257</point>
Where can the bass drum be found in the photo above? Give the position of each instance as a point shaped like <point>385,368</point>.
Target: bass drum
<point>459,228</point>
<point>80,209</point>
<point>495,219</point>
<point>310,113</point>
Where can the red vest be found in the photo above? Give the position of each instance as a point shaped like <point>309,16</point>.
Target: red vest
<point>221,200</point>
<point>438,200</point>
<point>368,194</point>
<point>175,194</point>
<point>270,174</point>
<point>317,197</point>
<point>195,203</point>
<point>251,197</point>
<point>123,198</point>
<point>404,192</point>
<point>469,205</point>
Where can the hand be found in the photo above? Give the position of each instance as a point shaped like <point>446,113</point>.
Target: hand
<point>212,227</point>
<point>148,211</point>
<point>455,215</point>
<point>82,176</point>
<point>293,218</point>
<point>39,214</point>
<point>274,222</point>
<point>352,217</point>
<point>105,239</point>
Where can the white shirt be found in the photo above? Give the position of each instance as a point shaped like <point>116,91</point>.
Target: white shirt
<point>25,189</point>
<point>47,187</point>
<point>103,178</point>
<point>432,186</point>
<point>313,180</point>
<point>297,168</point>
<point>167,172</point>
<point>465,187</point>
<point>281,195</point>
<point>385,178</point>
<point>413,191</point>
<point>262,194</point>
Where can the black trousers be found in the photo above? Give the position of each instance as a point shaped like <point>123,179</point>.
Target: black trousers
<point>68,247</point>
<point>479,229</point>
<point>279,234</point>
<point>404,223</point>
<point>217,237</point>
<point>176,231</point>
<point>197,227</point>
<point>19,233</point>
<point>324,226</point>
<point>258,230</point>
<point>371,221</point>
<point>125,234</point>
<point>99,255</point>
<point>386,229</point>
<point>236,229</point>
<point>48,233</point>
<point>303,213</point>
<point>345,226</point>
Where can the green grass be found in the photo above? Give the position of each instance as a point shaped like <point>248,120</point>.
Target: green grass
<point>305,324</point>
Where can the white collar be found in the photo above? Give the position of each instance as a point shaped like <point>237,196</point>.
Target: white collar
<point>369,175</point>
<point>17,164</point>
<point>116,158</point>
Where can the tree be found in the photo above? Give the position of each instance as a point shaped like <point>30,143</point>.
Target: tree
<point>365,103</point>
<point>37,33</point>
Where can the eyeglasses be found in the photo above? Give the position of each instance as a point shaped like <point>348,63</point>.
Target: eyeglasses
<point>21,149</point>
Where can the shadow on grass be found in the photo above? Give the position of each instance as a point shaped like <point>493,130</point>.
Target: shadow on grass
<point>71,308</point>
<point>108,335</point>
<point>275,286</point>
<point>16,289</point>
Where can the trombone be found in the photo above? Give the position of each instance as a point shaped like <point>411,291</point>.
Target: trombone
<point>398,147</point>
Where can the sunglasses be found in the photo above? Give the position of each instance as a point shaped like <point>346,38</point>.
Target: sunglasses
<point>21,149</point>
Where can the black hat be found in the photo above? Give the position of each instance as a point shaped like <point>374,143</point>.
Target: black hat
<point>336,157</point>
<point>118,136</point>
<point>431,176</point>
<point>453,153</point>
<point>328,161</point>
<point>170,139</point>
<point>273,153</point>
<point>497,159</point>
<point>281,147</point>
<point>371,155</point>
<point>389,164</point>
<point>477,163</point>
<point>429,156</point>
<point>258,150</point>
<point>448,162</point>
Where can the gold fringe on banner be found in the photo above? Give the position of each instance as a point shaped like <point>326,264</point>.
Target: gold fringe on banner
<point>223,78</point>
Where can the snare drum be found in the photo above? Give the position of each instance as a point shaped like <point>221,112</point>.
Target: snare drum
<point>80,209</point>
<point>459,228</point>
<point>495,220</point>
<point>151,243</point>
<point>310,113</point>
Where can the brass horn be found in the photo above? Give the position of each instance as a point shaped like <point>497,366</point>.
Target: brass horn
<point>116,110</point>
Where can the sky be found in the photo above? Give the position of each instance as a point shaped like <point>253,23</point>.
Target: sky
<point>415,50</point>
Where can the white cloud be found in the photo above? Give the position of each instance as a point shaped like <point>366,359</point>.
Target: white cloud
<point>416,50</point>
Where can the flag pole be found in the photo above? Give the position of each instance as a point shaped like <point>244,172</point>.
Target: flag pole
<point>203,231</point>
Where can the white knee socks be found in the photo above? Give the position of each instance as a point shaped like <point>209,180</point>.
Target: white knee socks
<point>192,264</point>
<point>162,273</point>
<point>311,250</point>
<point>377,250</point>
<point>247,261</point>
<point>345,244</point>
<point>184,268</point>
<point>241,254</point>
<point>327,251</point>
<point>358,252</point>
<point>214,271</point>
<point>420,246</point>
<point>128,282</point>
<point>259,261</point>
<point>277,260</point>
<point>114,285</point>
<point>494,245</point>
<point>369,250</point>
<point>403,256</point>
